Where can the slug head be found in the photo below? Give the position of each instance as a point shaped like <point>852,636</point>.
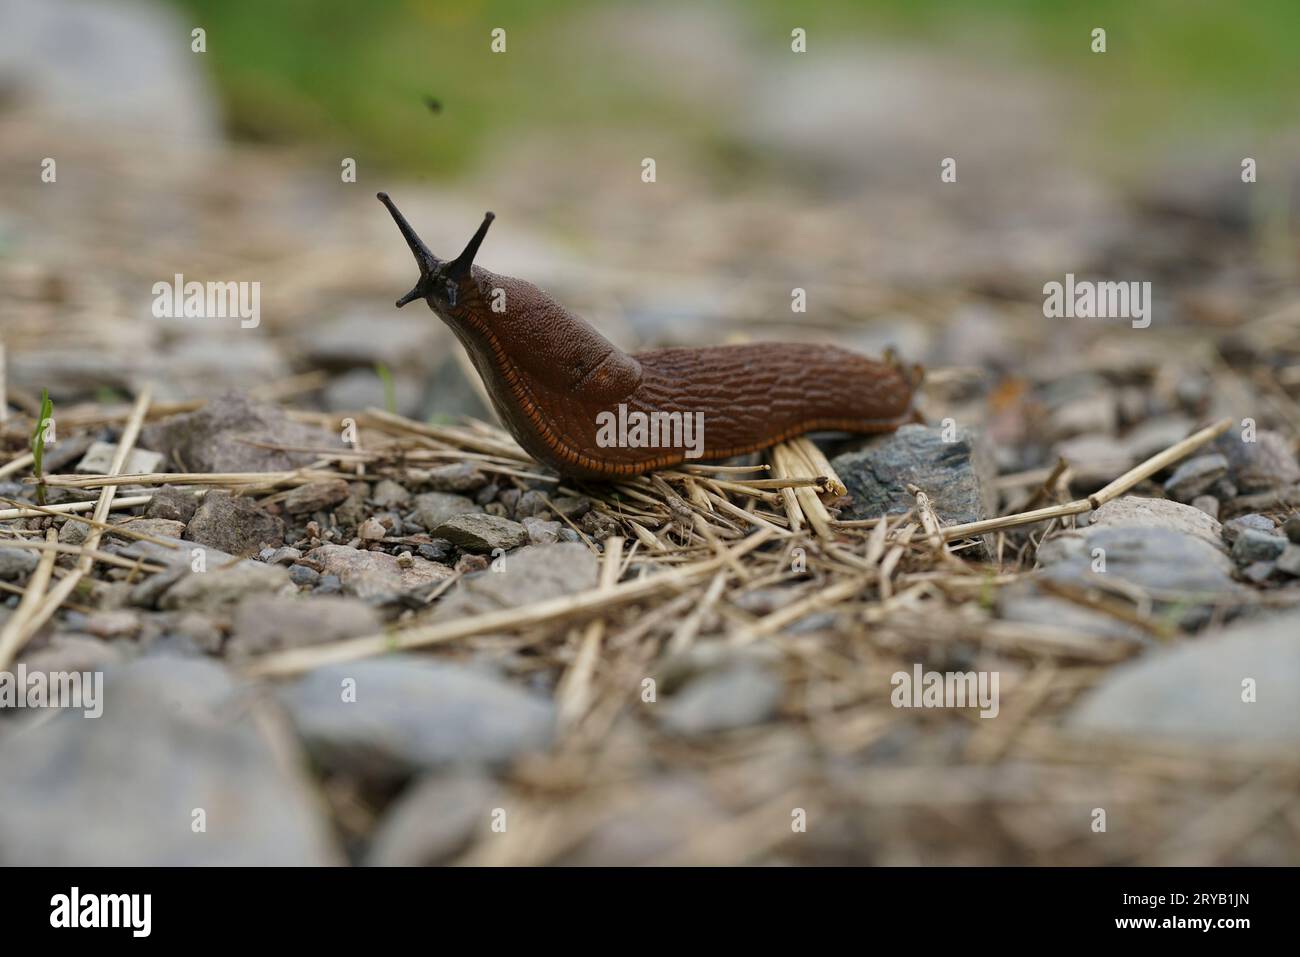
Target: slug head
<point>441,282</point>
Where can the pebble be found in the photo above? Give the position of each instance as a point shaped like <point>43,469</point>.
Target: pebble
<point>123,789</point>
<point>1207,504</point>
<point>476,532</point>
<point>1195,476</point>
<point>17,562</point>
<point>374,575</point>
<point>1289,561</point>
<point>1195,691</point>
<point>387,718</point>
<point>1233,528</point>
<point>438,550</point>
<point>264,623</point>
<point>172,502</point>
<point>230,434</point>
<point>434,508</point>
<point>218,589</point>
<point>1135,511</point>
<point>283,556</point>
<point>234,523</point>
<point>457,477</point>
<point>312,497</point>
<point>957,475</point>
<point>99,459</point>
<point>329,585</point>
<point>1258,466</point>
<point>1252,545</point>
<point>371,530</point>
<point>388,494</point>
<point>303,576</point>
<point>531,574</point>
<point>541,532</point>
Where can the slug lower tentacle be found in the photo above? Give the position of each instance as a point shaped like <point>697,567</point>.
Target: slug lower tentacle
<point>581,405</point>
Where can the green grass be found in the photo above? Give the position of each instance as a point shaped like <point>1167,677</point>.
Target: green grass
<point>38,445</point>
<point>354,76</point>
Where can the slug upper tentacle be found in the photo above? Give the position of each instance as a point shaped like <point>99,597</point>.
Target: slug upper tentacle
<point>578,403</point>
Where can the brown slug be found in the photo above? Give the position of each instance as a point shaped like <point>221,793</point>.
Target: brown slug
<point>581,405</point>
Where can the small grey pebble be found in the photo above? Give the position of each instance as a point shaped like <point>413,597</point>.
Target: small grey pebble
<point>329,585</point>
<point>439,550</point>
<point>302,575</point>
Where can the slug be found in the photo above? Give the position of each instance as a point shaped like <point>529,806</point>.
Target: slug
<point>578,403</point>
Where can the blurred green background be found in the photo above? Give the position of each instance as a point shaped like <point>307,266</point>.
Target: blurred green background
<point>339,72</point>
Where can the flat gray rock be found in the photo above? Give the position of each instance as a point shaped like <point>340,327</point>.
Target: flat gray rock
<point>1195,690</point>
<point>232,434</point>
<point>531,574</point>
<point>235,524</point>
<point>476,532</point>
<point>956,475</point>
<point>434,508</point>
<point>389,717</point>
<point>265,623</point>
<point>122,789</point>
<point>217,590</point>
<point>1134,511</point>
<point>376,575</point>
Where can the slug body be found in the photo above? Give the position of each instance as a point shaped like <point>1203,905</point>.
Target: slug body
<point>564,390</point>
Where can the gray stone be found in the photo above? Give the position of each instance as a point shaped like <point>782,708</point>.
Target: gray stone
<point>531,574</point>
<point>1168,564</point>
<point>737,696</point>
<point>1268,462</point>
<point>229,434</point>
<point>234,523</point>
<point>957,476</point>
<point>164,528</point>
<point>376,575</point>
<point>359,389</point>
<point>264,623</point>
<point>389,717</point>
<point>218,589</point>
<point>434,819</point>
<point>172,503</point>
<point>1207,504</point>
<point>456,477</point>
<point>318,496</point>
<point>303,576</point>
<point>99,459</point>
<point>1289,561</point>
<point>388,494</point>
<point>1253,545</point>
<point>1195,476</point>
<point>17,562</point>
<point>434,508</point>
<point>540,532</point>
<point>1025,602</point>
<point>1195,691</point>
<point>283,556</point>
<point>1233,528</point>
<point>1134,511</point>
<point>175,736</point>
<point>482,533</point>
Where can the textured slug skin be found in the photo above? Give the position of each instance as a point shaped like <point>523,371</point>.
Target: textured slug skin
<point>552,377</point>
<point>550,374</point>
